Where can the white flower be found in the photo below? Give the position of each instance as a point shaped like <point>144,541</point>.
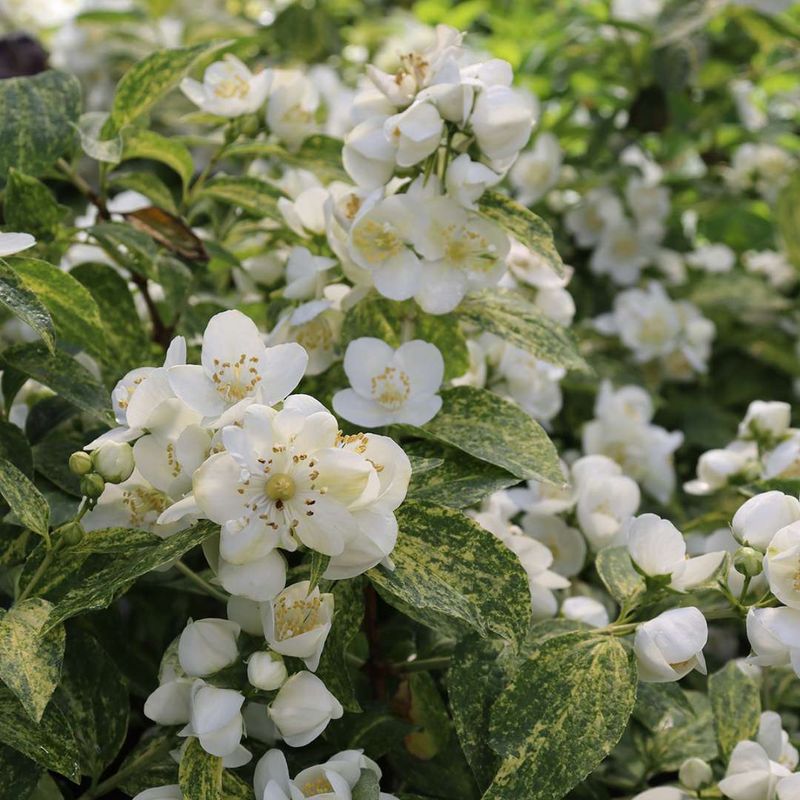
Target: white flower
<point>216,721</point>
<point>266,671</point>
<point>781,565</point>
<point>170,792</point>
<point>661,793</point>
<point>12,243</point>
<point>542,499</point>
<point>171,702</point>
<point>605,504</point>
<point>305,274</point>
<point>390,386</point>
<point>42,13</point>
<point>306,214</point>
<point>463,251</point>
<point>501,120</point>
<point>316,326</point>
<point>770,419</point>
<point>657,548</point>
<point>649,203</point>
<point>466,180</point>
<point>762,516</point>
<point>712,258</point>
<point>536,560</point>
<point>237,369</point>
<point>774,635</point>
<point>297,622</point>
<point>751,775</point>
<point>113,461</point>
<point>303,709</point>
<point>368,155</point>
<point>788,787</point>
<point>292,107</point>
<point>566,544</point>
<point>642,12</point>
<point>207,646</point>
<point>621,253</point>
<point>415,133</point>
<point>380,241</point>
<point>671,645</point>
<point>775,266</point>
<point>587,610</point>
<point>598,209</point>
<point>537,170</point>
<point>783,460</point>
<point>247,613</point>
<point>716,467</point>
<point>229,89</point>
<point>775,740</point>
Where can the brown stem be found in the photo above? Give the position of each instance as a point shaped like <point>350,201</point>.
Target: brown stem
<point>376,669</point>
<point>162,334</point>
<point>85,189</point>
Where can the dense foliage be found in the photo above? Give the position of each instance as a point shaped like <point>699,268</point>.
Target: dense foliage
<point>397,401</point>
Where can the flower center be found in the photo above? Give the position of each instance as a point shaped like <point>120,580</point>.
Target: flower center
<point>296,617</point>
<point>280,487</point>
<point>236,380</point>
<point>391,388</point>
<point>316,786</point>
<point>377,241</point>
<point>233,87</point>
<point>625,247</point>
<point>142,502</point>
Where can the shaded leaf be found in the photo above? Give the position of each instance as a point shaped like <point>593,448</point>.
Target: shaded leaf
<point>24,498</point>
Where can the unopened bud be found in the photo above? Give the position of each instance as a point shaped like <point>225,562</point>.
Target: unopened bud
<point>72,533</point>
<point>250,125</point>
<point>114,461</point>
<point>92,485</point>
<point>80,462</point>
<point>695,773</point>
<point>748,561</point>
<point>266,670</point>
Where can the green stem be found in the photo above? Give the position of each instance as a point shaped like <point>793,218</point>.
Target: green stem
<point>40,571</point>
<point>200,582</point>
<point>117,778</point>
<point>423,664</point>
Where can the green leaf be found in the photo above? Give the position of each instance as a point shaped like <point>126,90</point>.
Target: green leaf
<point>147,81</point>
<point>143,143</point>
<point>319,563</point>
<point>94,696</point>
<point>736,705</point>
<point>30,662</point>
<point>319,153</point>
<point>348,613</point>
<point>126,339</point>
<point>525,226</point>
<point>200,774</point>
<point>46,789</point>
<point>495,430</point>
<point>50,743</point>
<point>787,217</point>
<point>15,448</point>
<point>64,375</point>
<point>456,479</point>
<point>565,709</point>
<point>30,206</point>
<point>36,118</point>
<point>18,774</point>
<point>71,306</point>
<point>235,788</point>
<point>522,324</point>
<point>24,498</point>
<point>23,303</point>
<point>133,249</point>
<point>615,569</point>
<point>446,564</point>
<point>154,764</point>
<point>101,588</point>
<point>253,195</point>
<point>148,184</point>
<point>368,787</point>
<point>444,331</point>
<point>477,676</point>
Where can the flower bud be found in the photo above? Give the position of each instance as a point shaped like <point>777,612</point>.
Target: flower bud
<point>266,671</point>
<point>762,516</point>
<point>207,646</point>
<point>80,462</point>
<point>92,485</point>
<point>72,533</point>
<point>748,561</point>
<point>303,709</point>
<point>695,773</point>
<point>114,461</point>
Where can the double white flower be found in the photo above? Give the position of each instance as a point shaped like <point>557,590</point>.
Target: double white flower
<point>671,645</point>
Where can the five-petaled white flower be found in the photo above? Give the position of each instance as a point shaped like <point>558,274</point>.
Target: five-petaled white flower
<point>229,88</point>
<point>390,386</point>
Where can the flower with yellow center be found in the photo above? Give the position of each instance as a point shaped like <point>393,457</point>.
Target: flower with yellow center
<point>297,622</point>
<point>390,386</point>
<point>237,369</point>
<point>229,88</point>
